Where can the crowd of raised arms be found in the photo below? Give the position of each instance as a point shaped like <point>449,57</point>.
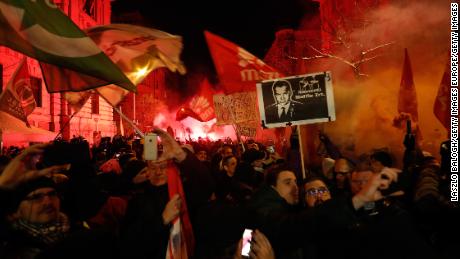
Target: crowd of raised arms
<point>70,200</point>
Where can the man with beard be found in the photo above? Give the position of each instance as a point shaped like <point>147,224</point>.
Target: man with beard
<point>316,192</point>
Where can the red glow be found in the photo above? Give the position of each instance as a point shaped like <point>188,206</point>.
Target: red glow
<point>190,128</point>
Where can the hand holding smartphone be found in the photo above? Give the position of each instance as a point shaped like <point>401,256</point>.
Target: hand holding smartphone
<point>246,247</point>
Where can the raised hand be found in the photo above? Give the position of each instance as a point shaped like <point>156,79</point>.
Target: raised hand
<point>19,170</point>
<point>171,149</point>
<point>371,191</point>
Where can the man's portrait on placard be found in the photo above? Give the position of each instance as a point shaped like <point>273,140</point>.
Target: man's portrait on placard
<point>283,108</point>
<point>296,100</point>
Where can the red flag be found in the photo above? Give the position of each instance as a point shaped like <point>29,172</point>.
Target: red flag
<point>185,112</point>
<point>201,104</point>
<point>18,99</point>
<point>238,69</point>
<point>407,102</point>
<point>441,108</point>
<point>181,240</point>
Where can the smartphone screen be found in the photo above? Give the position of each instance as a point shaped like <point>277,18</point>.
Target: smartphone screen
<point>247,237</point>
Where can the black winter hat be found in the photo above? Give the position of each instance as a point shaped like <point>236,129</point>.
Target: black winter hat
<point>24,189</point>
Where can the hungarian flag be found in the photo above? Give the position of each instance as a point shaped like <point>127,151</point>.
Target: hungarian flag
<point>181,240</point>
<point>18,98</point>
<point>237,69</point>
<point>136,51</point>
<point>441,108</point>
<point>407,102</point>
<point>200,106</point>
<point>40,30</point>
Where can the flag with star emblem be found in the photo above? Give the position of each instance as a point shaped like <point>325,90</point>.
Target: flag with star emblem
<point>41,30</point>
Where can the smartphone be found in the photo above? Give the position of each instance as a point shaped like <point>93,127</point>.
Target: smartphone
<point>150,146</point>
<point>247,238</point>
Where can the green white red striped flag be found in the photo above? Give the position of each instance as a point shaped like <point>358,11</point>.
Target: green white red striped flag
<point>41,30</point>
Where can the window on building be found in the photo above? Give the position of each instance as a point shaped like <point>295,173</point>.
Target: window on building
<point>95,103</point>
<point>36,87</point>
<point>90,8</point>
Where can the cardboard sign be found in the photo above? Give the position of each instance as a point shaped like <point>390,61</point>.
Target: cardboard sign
<point>235,108</point>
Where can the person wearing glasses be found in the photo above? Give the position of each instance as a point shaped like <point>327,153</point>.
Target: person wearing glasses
<point>316,191</point>
<point>341,177</point>
<point>32,224</point>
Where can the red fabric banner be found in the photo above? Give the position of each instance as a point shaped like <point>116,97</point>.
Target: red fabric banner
<point>407,102</point>
<point>181,240</point>
<point>238,70</point>
<point>18,99</point>
<point>441,108</point>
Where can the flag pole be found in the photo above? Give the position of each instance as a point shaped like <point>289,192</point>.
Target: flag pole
<point>65,125</point>
<point>129,121</point>
<point>301,152</point>
<point>122,129</point>
<point>126,118</point>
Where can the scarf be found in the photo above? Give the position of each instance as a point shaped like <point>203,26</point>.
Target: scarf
<point>48,233</point>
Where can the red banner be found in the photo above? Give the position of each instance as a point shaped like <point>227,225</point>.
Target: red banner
<point>407,102</point>
<point>18,99</point>
<point>441,108</point>
<point>202,103</point>
<point>181,241</point>
<point>238,70</point>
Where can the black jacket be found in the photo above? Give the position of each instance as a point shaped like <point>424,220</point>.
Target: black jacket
<point>287,227</point>
<point>143,233</point>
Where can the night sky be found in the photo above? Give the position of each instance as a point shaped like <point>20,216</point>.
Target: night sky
<point>249,23</point>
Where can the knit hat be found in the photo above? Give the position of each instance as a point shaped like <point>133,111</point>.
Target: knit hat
<point>24,189</point>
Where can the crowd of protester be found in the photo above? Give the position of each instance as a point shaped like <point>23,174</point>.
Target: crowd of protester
<point>67,200</point>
